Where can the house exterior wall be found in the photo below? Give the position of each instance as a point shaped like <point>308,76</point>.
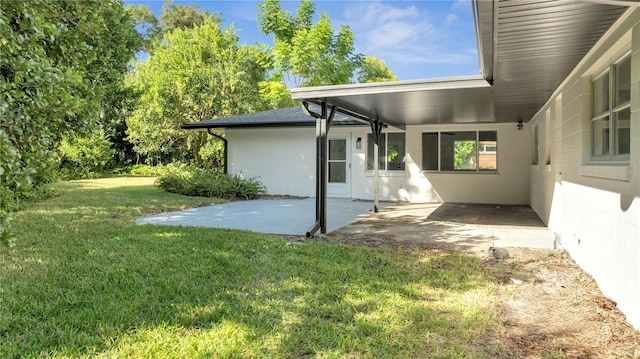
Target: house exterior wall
<point>509,185</point>
<point>593,207</point>
<point>283,159</point>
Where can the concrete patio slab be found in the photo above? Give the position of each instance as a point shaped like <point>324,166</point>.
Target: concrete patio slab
<point>277,216</point>
<point>451,226</point>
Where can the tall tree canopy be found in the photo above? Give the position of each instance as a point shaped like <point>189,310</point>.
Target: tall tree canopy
<point>308,53</point>
<point>373,69</point>
<point>172,17</point>
<point>193,74</point>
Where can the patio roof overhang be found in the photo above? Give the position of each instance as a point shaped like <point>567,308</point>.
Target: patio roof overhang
<point>400,103</point>
<point>525,50</point>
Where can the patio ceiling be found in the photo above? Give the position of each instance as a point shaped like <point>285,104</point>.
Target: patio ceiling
<point>525,48</point>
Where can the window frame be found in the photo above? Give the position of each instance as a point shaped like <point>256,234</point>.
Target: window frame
<point>610,115</point>
<point>385,140</point>
<point>478,152</point>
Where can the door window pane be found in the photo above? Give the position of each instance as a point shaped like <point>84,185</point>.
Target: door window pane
<point>601,137</point>
<point>337,150</point>
<point>337,172</point>
<point>395,151</point>
<point>430,151</point>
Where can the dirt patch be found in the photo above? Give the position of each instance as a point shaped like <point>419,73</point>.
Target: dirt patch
<point>551,308</point>
<point>547,305</point>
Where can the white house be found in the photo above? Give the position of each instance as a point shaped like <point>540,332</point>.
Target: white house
<point>553,121</point>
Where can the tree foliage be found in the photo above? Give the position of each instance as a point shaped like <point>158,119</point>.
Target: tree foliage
<point>172,17</point>
<point>193,74</point>
<point>57,60</point>
<point>373,69</point>
<point>308,53</point>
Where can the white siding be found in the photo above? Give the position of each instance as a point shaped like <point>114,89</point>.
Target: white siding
<point>594,208</point>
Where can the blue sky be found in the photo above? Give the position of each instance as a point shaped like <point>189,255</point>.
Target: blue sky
<point>417,39</point>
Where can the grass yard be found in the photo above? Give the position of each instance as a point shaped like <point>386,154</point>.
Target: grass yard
<point>84,280</point>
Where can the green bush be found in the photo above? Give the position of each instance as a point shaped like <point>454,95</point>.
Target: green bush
<point>209,183</point>
<point>142,170</point>
<point>85,157</point>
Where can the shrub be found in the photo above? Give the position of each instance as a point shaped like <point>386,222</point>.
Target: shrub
<point>209,183</point>
<point>142,170</point>
<point>85,157</point>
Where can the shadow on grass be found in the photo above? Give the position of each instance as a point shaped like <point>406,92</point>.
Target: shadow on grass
<point>85,280</point>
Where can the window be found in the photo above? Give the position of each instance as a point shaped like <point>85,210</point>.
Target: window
<point>390,152</point>
<point>611,112</point>
<point>460,151</point>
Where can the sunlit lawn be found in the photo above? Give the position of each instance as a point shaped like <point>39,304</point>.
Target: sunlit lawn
<point>85,280</point>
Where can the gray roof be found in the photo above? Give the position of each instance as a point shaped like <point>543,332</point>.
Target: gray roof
<point>285,117</point>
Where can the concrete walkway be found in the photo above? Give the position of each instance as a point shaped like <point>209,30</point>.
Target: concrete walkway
<point>277,216</point>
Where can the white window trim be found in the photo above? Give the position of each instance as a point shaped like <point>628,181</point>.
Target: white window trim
<point>610,69</point>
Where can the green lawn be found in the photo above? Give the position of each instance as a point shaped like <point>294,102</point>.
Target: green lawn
<point>84,280</point>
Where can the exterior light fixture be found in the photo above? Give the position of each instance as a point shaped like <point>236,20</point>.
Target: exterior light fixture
<point>359,143</point>
<point>520,124</point>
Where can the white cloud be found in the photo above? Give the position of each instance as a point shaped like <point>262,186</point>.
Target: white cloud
<point>461,5</point>
<point>380,12</point>
<point>451,18</point>
<point>406,36</point>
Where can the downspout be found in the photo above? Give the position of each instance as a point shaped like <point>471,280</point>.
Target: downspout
<point>226,154</point>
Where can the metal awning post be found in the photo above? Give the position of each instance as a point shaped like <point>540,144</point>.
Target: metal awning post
<point>376,129</point>
<point>323,123</point>
<point>323,163</point>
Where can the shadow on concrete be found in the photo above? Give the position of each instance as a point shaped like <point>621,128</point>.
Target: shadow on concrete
<point>451,226</point>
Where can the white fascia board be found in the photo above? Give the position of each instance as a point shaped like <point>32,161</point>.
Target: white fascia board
<point>449,83</point>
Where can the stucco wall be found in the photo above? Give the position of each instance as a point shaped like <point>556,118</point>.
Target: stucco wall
<point>593,207</point>
<point>509,185</point>
<point>282,159</point>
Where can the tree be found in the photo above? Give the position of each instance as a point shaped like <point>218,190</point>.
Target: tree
<point>373,69</point>
<point>58,57</point>
<point>172,17</point>
<point>307,53</point>
<point>193,74</point>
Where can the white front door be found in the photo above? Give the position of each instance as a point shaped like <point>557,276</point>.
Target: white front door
<point>339,162</point>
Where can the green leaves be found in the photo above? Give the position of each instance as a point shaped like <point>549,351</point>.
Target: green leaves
<point>58,58</point>
<point>193,74</point>
<point>373,69</point>
<point>309,53</point>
